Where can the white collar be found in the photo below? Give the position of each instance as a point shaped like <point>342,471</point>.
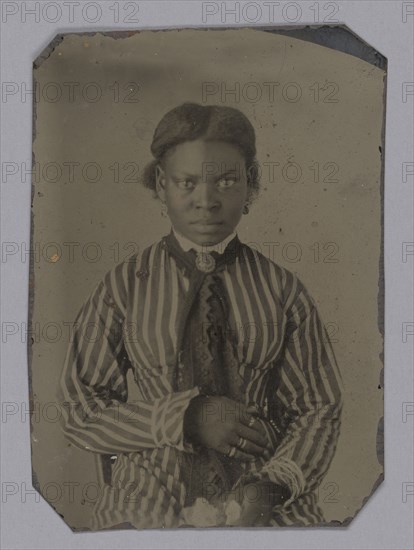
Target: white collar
<point>187,245</point>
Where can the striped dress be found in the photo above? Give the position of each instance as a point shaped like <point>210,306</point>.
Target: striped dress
<point>130,321</point>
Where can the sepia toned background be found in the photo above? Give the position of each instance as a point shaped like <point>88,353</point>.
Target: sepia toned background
<point>319,115</point>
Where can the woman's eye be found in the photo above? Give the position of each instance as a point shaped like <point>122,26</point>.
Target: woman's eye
<point>185,184</point>
<point>225,182</point>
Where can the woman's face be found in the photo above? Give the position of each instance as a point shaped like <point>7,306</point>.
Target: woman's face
<point>204,186</point>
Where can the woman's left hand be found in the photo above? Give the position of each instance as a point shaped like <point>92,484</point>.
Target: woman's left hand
<point>257,500</point>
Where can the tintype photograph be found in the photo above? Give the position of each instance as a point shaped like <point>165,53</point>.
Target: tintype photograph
<point>207,290</point>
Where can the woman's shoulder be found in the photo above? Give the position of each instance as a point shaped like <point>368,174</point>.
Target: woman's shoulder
<point>119,281</point>
<point>284,281</point>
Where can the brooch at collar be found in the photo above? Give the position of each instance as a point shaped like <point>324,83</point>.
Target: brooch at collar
<point>205,262</point>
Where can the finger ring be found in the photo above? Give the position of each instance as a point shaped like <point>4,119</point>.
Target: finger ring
<point>232,452</point>
<point>242,443</point>
<point>251,421</point>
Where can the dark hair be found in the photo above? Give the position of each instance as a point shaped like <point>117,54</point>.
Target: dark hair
<point>191,121</point>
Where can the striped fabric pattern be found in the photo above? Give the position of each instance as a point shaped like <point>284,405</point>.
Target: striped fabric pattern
<point>130,322</point>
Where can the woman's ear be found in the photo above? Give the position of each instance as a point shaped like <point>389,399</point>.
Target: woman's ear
<point>160,182</point>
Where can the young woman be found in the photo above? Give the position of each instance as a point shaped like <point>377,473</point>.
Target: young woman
<point>240,391</point>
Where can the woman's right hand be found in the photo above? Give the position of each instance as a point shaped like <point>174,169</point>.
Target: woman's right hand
<point>226,426</point>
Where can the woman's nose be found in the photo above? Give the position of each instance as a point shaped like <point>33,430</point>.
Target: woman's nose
<point>206,196</point>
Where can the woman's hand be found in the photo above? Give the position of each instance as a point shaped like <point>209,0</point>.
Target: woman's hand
<point>257,500</point>
<point>226,426</point>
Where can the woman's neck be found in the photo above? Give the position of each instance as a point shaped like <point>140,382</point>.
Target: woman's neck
<point>186,244</point>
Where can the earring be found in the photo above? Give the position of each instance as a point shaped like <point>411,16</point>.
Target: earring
<point>164,210</point>
<point>246,209</point>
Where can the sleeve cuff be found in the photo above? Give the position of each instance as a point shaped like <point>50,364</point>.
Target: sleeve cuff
<point>168,417</point>
<point>285,472</point>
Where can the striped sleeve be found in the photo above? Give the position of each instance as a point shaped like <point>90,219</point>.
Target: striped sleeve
<point>96,415</point>
<point>310,398</point>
